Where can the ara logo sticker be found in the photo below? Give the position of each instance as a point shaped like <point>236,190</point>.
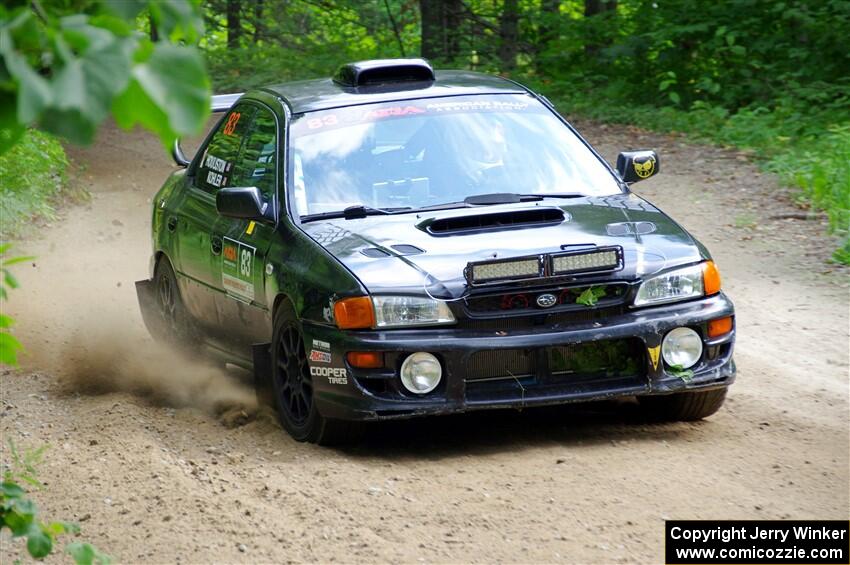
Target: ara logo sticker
<point>645,169</point>
<point>654,355</point>
<point>335,375</point>
<point>317,356</point>
<point>237,269</point>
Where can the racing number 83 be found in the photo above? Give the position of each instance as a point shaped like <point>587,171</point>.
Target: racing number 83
<point>245,263</point>
<point>232,120</point>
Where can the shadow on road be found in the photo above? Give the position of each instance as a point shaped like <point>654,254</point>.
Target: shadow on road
<point>491,431</point>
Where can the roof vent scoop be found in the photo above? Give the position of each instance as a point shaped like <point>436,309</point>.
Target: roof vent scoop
<point>381,71</point>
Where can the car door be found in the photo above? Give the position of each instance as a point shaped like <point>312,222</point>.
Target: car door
<point>196,215</point>
<point>243,302</point>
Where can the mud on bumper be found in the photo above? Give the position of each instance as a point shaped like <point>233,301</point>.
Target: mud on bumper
<point>514,369</point>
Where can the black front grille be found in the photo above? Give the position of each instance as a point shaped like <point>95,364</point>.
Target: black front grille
<point>498,363</point>
<point>598,359</point>
<point>554,319</point>
<point>575,371</point>
<point>522,301</point>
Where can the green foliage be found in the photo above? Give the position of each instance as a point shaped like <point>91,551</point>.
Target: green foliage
<point>32,175</point>
<point>19,513</point>
<point>64,66</point>
<point>822,172</point>
<point>591,295</point>
<point>611,357</point>
<point>279,40</point>
<point>9,345</point>
<point>679,371</point>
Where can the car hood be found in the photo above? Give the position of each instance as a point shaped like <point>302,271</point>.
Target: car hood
<point>398,253</point>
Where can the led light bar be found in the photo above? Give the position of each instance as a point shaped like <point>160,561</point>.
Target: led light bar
<point>513,269</point>
<point>603,259</point>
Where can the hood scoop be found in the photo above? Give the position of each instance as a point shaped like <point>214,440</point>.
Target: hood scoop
<point>498,221</point>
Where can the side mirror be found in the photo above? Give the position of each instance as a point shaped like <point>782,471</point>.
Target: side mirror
<point>178,155</point>
<point>245,202</point>
<point>635,166</point>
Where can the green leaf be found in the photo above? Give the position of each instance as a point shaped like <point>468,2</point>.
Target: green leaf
<point>169,93</point>
<point>9,278</point>
<point>9,347</point>
<point>86,554</point>
<point>178,20</point>
<point>14,260</point>
<point>127,9</point>
<point>679,371</point>
<point>19,523</point>
<point>674,98</point>
<point>11,489</point>
<point>591,295</point>
<point>6,321</point>
<point>83,89</point>
<point>58,528</point>
<point>39,543</point>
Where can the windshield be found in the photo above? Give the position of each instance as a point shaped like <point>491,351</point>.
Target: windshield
<point>426,152</point>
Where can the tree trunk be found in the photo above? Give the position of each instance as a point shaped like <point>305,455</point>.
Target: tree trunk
<point>508,35</point>
<point>234,23</point>
<point>259,28</point>
<point>154,33</point>
<point>441,34</point>
<point>431,13</point>
<point>550,11</point>
<point>594,8</point>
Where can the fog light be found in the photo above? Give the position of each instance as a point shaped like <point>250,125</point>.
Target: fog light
<point>682,347</point>
<point>421,373</point>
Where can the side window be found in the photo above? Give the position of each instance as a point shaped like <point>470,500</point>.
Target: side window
<point>257,163</point>
<point>215,169</point>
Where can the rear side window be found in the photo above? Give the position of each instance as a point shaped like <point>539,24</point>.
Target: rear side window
<point>257,162</point>
<point>215,169</point>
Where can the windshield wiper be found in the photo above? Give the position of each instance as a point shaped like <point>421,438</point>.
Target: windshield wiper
<point>353,213</point>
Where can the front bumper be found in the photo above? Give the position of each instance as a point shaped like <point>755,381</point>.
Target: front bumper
<point>347,393</point>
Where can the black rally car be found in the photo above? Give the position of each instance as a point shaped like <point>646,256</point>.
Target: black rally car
<point>396,242</point>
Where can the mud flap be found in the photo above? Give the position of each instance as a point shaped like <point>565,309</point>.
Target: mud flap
<point>146,293</point>
<point>262,355</point>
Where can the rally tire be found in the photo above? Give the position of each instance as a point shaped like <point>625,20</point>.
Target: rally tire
<point>684,406</point>
<point>292,388</point>
<point>177,327</point>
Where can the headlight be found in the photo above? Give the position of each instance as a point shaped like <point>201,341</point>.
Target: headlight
<point>421,373</point>
<point>679,284</point>
<point>399,311</point>
<point>682,347</point>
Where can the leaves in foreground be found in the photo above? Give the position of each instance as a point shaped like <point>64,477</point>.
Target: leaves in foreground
<point>19,513</point>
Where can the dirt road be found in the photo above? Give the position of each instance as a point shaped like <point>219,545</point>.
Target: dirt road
<point>167,477</point>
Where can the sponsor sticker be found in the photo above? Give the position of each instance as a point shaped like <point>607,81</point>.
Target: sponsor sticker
<point>317,356</point>
<point>237,264</point>
<point>654,355</point>
<point>335,375</point>
<point>645,169</point>
<point>319,344</point>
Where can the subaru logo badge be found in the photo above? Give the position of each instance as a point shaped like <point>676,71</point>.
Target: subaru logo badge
<point>546,300</point>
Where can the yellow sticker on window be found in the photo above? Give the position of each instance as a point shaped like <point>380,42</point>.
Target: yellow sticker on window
<point>250,229</point>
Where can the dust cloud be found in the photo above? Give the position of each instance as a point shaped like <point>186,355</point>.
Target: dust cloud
<point>109,358</point>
